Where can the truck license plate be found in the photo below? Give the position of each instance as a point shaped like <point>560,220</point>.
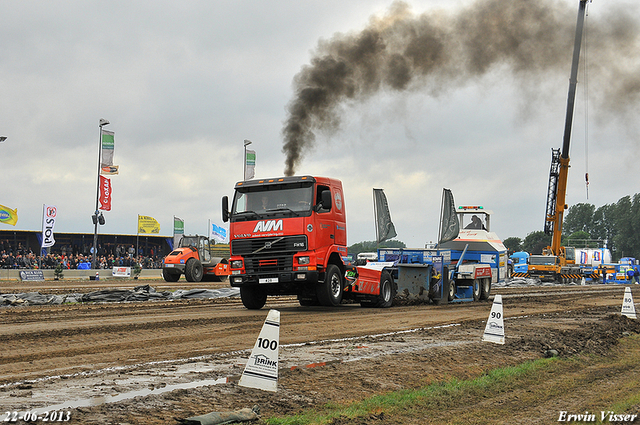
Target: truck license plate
<point>168,265</point>
<point>268,280</point>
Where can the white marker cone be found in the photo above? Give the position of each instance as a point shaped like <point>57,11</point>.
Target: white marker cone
<point>261,371</point>
<point>494,331</point>
<point>583,282</point>
<point>628,308</point>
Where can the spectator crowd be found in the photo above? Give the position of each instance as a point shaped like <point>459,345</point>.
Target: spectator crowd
<point>119,256</point>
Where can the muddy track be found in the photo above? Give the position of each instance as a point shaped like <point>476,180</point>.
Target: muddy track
<point>44,341</point>
<point>68,339</point>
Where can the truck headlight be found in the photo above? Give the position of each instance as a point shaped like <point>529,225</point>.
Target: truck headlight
<point>303,260</point>
<point>236,264</point>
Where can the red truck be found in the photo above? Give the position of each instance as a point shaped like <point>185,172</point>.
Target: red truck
<point>288,236</point>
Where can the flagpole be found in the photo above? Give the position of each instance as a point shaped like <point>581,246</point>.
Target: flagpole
<point>41,243</point>
<point>102,123</point>
<point>137,238</point>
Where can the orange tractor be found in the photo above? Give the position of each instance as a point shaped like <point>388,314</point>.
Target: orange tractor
<point>193,258</point>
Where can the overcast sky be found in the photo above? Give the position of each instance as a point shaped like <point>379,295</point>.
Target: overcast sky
<point>184,83</point>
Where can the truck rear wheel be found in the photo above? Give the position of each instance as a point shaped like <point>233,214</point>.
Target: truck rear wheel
<point>330,292</point>
<point>193,270</point>
<point>486,289</point>
<point>452,290</point>
<point>253,297</point>
<point>477,288</point>
<point>387,290</point>
<point>170,277</point>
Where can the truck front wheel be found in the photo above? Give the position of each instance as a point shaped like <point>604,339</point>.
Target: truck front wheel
<point>193,270</point>
<point>253,297</point>
<point>330,292</point>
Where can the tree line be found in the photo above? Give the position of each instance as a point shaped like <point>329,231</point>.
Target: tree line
<point>614,226</point>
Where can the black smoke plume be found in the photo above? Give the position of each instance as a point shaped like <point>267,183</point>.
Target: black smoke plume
<point>437,51</point>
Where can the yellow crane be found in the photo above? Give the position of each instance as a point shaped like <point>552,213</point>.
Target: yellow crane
<point>558,262</point>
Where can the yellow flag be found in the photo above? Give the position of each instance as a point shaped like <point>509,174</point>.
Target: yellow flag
<point>148,224</point>
<point>8,216</point>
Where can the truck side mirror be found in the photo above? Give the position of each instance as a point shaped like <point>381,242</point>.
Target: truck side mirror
<point>225,209</point>
<point>326,199</point>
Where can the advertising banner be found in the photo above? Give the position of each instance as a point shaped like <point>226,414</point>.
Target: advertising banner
<point>105,194</point>
<point>384,226</point>
<point>250,165</point>
<point>219,234</point>
<point>449,225</point>
<point>148,224</point>
<point>107,149</point>
<point>48,222</point>
<point>178,230</point>
<point>8,216</point>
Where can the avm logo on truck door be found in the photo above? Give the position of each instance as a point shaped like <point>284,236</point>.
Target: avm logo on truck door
<point>268,226</point>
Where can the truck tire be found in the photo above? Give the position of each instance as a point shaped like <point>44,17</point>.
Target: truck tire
<point>486,289</point>
<point>330,292</point>
<point>253,297</point>
<point>169,276</point>
<point>451,294</point>
<point>387,290</point>
<point>477,288</point>
<point>193,270</point>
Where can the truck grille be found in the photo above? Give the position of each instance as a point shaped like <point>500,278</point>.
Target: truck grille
<point>269,255</point>
<point>268,246</point>
<point>256,264</point>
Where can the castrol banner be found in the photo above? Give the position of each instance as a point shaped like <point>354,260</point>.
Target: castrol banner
<point>105,194</point>
<point>48,223</point>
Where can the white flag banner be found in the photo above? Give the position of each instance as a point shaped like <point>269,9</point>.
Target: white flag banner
<point>178,230</point>
<point>49,214</point>
<point>218,233</point>
<point>250,165</point>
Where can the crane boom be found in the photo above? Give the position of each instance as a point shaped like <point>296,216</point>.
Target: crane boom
<point>556,195</point>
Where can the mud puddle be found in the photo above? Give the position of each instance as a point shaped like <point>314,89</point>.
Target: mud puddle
<point>96,387</point>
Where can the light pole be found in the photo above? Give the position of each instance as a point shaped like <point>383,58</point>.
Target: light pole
<point>244,160</point>
<point>97,218</point>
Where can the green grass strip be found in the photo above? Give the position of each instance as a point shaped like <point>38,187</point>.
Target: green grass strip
<point>435,396</point>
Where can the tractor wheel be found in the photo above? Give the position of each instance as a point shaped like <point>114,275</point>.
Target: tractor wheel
<point>486,289</point>
<point>253,297</point>
<point>477,289</point>
<point>193,271</point>
<point>387,291</point>
<point>170,277</point>
<point>330,292</point>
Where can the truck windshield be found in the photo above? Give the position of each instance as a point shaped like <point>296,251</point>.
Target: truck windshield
<point>254,203</point>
